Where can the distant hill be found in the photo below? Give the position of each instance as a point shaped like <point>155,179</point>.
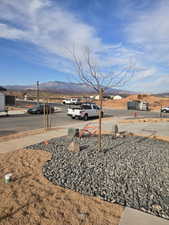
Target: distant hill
<point>64,88</point>
<point>166,94</point>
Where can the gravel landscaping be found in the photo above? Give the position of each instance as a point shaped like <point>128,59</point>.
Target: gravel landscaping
<point>132,171</point>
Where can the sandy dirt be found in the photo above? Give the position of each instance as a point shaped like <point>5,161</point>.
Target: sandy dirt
<point>31,199</point>
<point>15,108</point>
<point>25,134</point>
<point>149,120</point>
<point>146,120</point>
<point>155,102</point>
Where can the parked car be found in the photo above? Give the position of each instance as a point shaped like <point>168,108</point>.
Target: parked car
<point>39,109</point>
<point>85,111</point>
<point>165,109</point>
<point>71,101</point>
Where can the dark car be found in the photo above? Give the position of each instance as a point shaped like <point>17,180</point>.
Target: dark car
<point>39,109</point>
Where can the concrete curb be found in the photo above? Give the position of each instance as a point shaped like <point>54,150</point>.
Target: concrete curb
<point>136,217</point>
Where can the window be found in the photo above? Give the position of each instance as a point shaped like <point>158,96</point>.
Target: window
<point>96,107</point>
<point>86,106</point>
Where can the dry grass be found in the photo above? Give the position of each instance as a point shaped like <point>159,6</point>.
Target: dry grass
<point>32,199</point>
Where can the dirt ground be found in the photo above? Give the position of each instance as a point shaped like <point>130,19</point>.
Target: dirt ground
<point>25,133</point>
<point>145,120</point>
<point>155,102</point>
<point>31,199</point>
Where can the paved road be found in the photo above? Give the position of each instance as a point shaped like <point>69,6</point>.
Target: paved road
<point>14,124</point>
<point>18,123</point>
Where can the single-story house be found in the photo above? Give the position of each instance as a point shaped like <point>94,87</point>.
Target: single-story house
<point>117,97</point>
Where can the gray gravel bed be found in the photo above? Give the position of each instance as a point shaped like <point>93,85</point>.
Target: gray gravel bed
<point>132,171</point>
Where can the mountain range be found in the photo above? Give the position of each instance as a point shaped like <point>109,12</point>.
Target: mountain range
<point>64,88</point>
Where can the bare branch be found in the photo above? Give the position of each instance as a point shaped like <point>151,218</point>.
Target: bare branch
<point>88,72</point>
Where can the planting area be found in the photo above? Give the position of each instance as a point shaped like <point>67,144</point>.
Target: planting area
<point>30,199</point>
<point>132,171</point>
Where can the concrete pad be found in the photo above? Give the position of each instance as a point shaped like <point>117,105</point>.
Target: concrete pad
<point>136,217</point>
<point>19,143</point>
<point>13,145</point>
<point>13,112</point>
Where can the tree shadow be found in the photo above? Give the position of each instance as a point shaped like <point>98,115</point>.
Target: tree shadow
<point>7,132</point>
<point>20,178</point>
<point>83,147</point>
<point>38,199</point>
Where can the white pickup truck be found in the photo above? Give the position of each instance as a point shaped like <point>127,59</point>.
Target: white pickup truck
<point>165,109</point>
<point>71,101</point>
<point>85,111</point>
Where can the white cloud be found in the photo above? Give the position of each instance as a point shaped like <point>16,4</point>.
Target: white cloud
<point>45,25</point>
<point>11,33</point>
<point>151,25</point>
<point>55,31</point>
<point>150,31</point>
<point>52,29</point>
<point>160,84</point>
<point>142,73</point>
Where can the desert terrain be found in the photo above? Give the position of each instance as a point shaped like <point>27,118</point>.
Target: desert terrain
<point>31,199</point>
<point>155,102</point>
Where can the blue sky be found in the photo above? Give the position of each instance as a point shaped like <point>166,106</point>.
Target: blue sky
<point>36,37</point>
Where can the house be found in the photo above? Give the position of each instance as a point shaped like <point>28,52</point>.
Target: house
<point>117,97</point>
<point>2,88</point>
<point>25,96</point>
<point>91,97</point>
<point>97,97</point>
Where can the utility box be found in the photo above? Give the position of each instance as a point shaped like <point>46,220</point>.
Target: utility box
<point>10,100</point>
<point>144,106</point>
<point>73,132</point>
<point>2,102</point>
<point>6,100</point>
<point>138,105</point>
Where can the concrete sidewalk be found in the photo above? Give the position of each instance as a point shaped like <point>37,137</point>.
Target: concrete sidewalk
<point>19,143</point>
<point>22,142</point>
<point>13,112</point>
<point>136,217</point>
<point>159,129</point>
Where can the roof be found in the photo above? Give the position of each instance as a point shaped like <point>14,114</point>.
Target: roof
<point>2,88</point>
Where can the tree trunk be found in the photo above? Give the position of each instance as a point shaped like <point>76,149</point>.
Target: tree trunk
<point>160,111</point>
<point>100,119</point>
<point>44,112</point>
<point>37,93</point>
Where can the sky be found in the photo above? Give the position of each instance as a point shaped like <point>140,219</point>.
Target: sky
<point>37,38</point>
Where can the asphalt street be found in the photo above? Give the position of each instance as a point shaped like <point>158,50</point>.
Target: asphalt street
<point>18,123</point>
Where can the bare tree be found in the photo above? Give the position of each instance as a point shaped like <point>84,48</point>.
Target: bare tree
<point>100,80</point>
